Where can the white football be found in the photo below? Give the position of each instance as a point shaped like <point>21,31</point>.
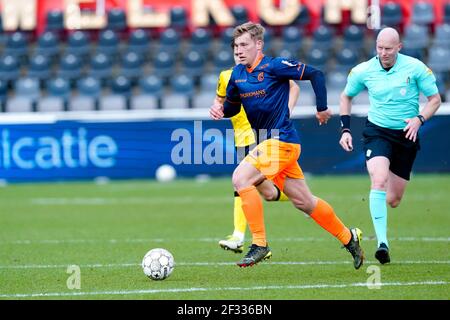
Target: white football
<point>158,264</point>
<point>165,173</point>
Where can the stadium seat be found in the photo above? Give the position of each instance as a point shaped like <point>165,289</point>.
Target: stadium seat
<point>169,41</point>
<point>240,13</point>
<point>441,79</point>
<point>48,45</point>
<point>416,37</point>
<point>108,43</point>
<point>323,38</point>
<point>292,38</point>
<point>200,41</point>
<point>288,53</point>
<point>178,19</point>
<point>26,94</point>
<point>209,82</point>
<point>226,37</point>
<point>39,67</point>
<point>78,43</point>
<point>3,36</point>
<point>3,93</point>
<point>27,87</point>
<point>423,13</point>
<point>180,95</point>
<point>100,67</point>
<point>149,96</point>
<point>205,97</point>
<point>353,38</point>
<point>447,12</point>
<point>89,90</point>
<point>117,20</point>
<point>58,94</point>
<point>442,36</point>
<point>139,42</point>
<point>19,104</point>
<point>336,81</point>
<point>132,66</point>
<point>164,64</point>
<point>438,60</point>
<point>413,52</point>
<point>89,86</point>
<point>391,15</point>
<point>17,45</point>
<point>346,59</point>
<point>303,17</point>
<point>9,68</point>
<point>113,102</point>
<point>70,67</point>
<point>55,21</point>
<point>223,60</point>
<point>58,87</point>
<point>317,58</point>
<point>194,63</point>
<point>121,85</point>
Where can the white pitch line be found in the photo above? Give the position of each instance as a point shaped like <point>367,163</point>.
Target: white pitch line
<point>178,290</point>
<point>293,239</point>
<point>208,264</point>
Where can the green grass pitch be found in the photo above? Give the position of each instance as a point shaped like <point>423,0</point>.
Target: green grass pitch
<point>106,229</point>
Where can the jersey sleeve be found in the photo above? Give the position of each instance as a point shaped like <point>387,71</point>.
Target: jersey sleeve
<point>295,70</point>
<point>426,81</point>
<point>355,83</point>
<point>222,83</point>
<point>232,104</point>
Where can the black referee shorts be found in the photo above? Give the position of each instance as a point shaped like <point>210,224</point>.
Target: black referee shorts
<point>392,144</point>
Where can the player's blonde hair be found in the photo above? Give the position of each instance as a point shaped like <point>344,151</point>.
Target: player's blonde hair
<point>255,30</point>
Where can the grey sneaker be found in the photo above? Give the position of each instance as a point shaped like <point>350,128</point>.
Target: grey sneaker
<point>354,247</point>
<point>255,255</point>
<point>382,254</point>
<point>232,243</point>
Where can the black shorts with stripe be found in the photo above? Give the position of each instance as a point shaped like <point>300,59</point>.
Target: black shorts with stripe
<point>392,144</point>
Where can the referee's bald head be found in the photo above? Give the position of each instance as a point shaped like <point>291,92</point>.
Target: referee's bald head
<point>389,34</point>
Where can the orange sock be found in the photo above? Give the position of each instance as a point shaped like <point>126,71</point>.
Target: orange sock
<point>324,215</point>
<point>254,213</point>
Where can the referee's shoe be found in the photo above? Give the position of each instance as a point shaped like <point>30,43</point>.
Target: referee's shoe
<point>382,254</point>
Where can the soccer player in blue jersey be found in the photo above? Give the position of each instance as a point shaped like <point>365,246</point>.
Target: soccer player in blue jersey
<point>391,139</point>
<point>261,85</point>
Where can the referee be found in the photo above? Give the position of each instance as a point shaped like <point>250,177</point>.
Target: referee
<point>391,139</point>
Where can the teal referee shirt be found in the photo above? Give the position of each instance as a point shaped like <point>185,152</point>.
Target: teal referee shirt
<point>393,94</point>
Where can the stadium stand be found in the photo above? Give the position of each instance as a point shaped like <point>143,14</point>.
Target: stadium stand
<point>152,61</point>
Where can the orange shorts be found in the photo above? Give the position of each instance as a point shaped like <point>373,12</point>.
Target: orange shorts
<point>276,160</point>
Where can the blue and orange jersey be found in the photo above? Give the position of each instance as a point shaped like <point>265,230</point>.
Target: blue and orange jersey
<point>243,133</point>
<point>263,90</point>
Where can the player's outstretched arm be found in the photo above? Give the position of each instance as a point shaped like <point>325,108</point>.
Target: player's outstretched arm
<point>317,79</point>
<point>345,107</point>
<point>294,93</point>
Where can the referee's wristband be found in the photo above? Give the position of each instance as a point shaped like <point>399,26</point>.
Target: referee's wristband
<point>421,118</point>
<point>345,123</point>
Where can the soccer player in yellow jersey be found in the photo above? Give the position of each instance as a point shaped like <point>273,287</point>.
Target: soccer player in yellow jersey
<point>244,138</point>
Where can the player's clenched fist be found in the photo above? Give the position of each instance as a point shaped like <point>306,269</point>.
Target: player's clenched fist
<point>216,111</point>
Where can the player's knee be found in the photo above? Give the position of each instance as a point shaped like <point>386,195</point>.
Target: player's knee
<point>379,182</point>
<point>269,195</point>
